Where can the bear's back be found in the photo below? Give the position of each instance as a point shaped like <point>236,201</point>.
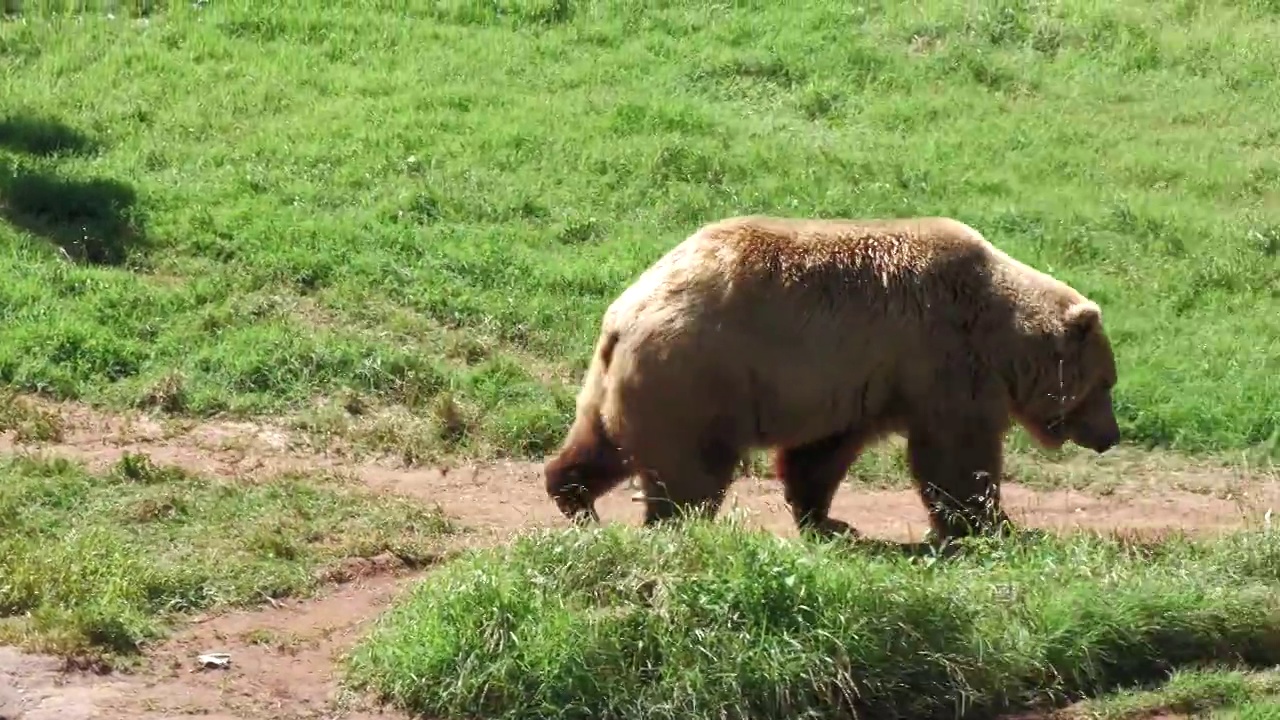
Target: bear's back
<point>880,262</point>
<point>777,271</point>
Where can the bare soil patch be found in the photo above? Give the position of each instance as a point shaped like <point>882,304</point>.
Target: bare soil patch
<point>283,656</point>
<point>283,663</point>
<point>283,660</point>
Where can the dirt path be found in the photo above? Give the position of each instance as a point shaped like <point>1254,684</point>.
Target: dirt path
<point>284,657</point>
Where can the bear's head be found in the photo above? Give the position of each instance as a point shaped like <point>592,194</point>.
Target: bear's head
<point>1069,397</point>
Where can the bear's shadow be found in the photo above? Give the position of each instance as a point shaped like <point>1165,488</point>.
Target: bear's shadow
<point>43,137</point>
<point>88,220</point>
<point>879,547</point>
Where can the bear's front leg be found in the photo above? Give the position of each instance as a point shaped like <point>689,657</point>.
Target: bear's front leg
<point>811,475</point>
<point>957,470</point>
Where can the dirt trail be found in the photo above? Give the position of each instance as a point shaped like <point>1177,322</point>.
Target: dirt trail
<point>284,657</point>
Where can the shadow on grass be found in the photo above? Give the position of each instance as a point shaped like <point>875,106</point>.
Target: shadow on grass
<point>885,548</point>
<point>89,220</point>
<point>43,137</point>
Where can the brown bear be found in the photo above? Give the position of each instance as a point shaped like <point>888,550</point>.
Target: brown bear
<point>818,337</point>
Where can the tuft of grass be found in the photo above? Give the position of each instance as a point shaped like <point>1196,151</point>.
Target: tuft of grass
<point>1259,709</point>
<point>217,207</point>
<point>716,620</point>
<point>1212,692</point>
<point>99,564</point>
<point>28,422</point>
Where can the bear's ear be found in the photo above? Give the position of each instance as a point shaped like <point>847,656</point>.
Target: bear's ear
<point>1081,319</point>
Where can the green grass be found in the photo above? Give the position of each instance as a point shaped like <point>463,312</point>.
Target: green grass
<point>717,621</point>
<point>1215,693</point>
<point>1262,709</point>
<point>101,564</point>
<point>27,421</point>
<point>429,206</point>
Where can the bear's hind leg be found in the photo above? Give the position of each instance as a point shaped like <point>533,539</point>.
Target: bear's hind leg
<point>686,481</point>
<point>957,473</point>
<point>811,475</point>
<point>588,466</point>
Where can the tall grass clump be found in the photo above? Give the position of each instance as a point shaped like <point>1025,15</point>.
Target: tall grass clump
<point>718,621</point>
<point>100,564</point>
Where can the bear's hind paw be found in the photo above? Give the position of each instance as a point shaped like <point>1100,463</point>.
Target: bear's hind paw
<point>833,528</point>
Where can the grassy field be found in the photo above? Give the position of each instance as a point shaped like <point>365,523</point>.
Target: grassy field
<point>399,223</point>
<point>98,565</point>
<point>429,208</point>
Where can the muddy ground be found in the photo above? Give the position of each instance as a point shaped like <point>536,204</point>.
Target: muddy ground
<point>285,656</point>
